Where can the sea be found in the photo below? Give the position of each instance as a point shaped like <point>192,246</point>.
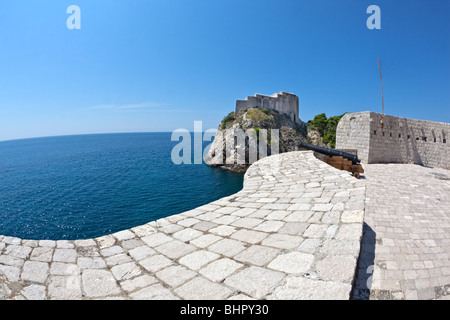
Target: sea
<point>87,186</point>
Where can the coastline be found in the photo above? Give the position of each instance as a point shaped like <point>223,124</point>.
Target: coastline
<point>273,235</point>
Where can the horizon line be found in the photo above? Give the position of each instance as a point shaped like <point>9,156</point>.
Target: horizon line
<point>97,133</point>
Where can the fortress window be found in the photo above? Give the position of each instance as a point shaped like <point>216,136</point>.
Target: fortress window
<point>383,133</point>
<point>390,134</point>
<point>409,137</point>
<point>399,135</point>
<point>434,139</point>
<point>444,140</point>
<point>424,139</point>
<point>417,138</point>
<point>374,132</point>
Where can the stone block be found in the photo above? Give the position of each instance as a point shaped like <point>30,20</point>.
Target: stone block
<point>155,263</point>
<point>175,249</point>
<point>337,268</point>
<point>126,271</point>
<point>249,236</point>
<point>65,288</point>
<point>43,254</point>
<point>220,269</point>
<point>99,283</point>
<point>227,247</point>
<point>255,281</point>
<point>282,241</point>
<point>175,275</point>
<point>154,292</point>
<point>202,289</point>
<point>293,262</point>
<point>198,259</point>
<point>65,255</point>
<point>35,271</point>
<point>257,255</point>
<point>34,292</point>
<point>299,288</point>
<point>141,252</point>
<point>138,282</point>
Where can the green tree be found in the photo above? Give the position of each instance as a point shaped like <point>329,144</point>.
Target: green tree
<point>229,118</point>
<point>326,127</point>
<point>319,123</point>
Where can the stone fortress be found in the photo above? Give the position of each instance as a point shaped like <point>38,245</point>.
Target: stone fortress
<point>282,102</point>
<point>389,139</point>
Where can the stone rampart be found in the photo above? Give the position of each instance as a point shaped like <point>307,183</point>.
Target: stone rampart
<point>283,102</point>
<point>399,140</point>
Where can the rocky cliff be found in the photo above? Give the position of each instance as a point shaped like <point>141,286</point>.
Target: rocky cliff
<point>253,123</point>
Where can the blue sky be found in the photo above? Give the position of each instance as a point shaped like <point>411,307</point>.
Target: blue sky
<point>161,65</point>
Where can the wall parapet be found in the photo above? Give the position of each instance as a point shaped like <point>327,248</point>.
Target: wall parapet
<point>399,140</point>
<point>283,102</point>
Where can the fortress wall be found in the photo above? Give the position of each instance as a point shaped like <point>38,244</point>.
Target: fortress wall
<point>409,141</point>
<point>265,102</point>
<point>353,132</point>
<point>401,140</point>
<point>283,102</point>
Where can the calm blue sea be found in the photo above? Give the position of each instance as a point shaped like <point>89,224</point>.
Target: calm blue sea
<point>77,187</point>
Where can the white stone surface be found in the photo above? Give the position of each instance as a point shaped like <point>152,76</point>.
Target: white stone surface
<point>299,288</point>
<point>257,255</point>
<point>293,262</point>
<point>255,281</point>
<point>198,259</point>
<point>99,283</point>
<point>220,269</point>
<point>203,289</point>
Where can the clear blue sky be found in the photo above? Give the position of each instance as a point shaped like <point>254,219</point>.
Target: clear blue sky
<point>159,65</point>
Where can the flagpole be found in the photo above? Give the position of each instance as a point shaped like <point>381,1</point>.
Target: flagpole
<point>382,98</point>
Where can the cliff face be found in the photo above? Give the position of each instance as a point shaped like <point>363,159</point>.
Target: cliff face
<point>256,125</point>
<point>316,139</point>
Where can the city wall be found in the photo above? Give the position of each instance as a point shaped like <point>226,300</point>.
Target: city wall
<point>394,140</point>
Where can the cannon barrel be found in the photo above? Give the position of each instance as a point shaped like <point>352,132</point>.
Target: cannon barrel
<point>330,152</point>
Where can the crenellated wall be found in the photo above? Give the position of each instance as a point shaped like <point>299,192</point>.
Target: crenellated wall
<point>283,102</point>
<point>401,140</point>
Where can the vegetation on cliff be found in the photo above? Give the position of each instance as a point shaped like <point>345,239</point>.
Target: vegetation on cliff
<point>326,129</point>
<point>229,118</point>
<point>260,120</point>
<point>291,132</point>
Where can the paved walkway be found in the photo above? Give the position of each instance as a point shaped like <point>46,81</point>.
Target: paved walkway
<point>406,244</point>
<point>293,232</point>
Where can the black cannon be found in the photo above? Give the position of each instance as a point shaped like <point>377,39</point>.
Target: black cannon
<point>338,159</point>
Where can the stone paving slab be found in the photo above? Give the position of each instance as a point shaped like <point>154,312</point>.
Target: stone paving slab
<point>405,251</point>
<point>293,232</point>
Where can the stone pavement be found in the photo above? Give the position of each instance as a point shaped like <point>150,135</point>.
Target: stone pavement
<point>406,244</point>
<point>293,232</point>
